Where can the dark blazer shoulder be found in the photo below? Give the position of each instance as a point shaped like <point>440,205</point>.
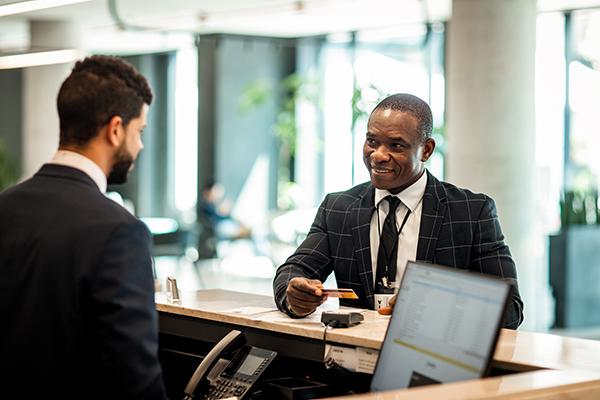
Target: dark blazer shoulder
<point>64,172</point>
<point>84,199</point>
<point>111,207</point>
<point>449,192</point>
<point>348,198</point>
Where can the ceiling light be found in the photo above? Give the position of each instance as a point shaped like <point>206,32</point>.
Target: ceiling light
<point>16,7</point>
<point>36,58</point>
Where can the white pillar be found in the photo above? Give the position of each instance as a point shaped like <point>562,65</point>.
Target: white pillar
<point>40,88</point>
<point>490,121</point>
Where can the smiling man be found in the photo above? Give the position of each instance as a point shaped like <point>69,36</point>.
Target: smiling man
<point>366,235</point>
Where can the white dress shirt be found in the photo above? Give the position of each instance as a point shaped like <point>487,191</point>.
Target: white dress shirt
<point>411,198</point>
<point>82,163</point>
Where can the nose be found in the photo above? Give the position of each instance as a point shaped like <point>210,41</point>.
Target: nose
<point>380,155</point>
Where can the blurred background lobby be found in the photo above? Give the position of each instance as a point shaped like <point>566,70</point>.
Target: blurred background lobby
<point>261,109</point>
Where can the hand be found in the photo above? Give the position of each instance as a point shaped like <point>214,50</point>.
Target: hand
<point>304,295</point>
<point>389,308</point>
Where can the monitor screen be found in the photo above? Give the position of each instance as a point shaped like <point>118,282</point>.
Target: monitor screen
<point>444,327</point>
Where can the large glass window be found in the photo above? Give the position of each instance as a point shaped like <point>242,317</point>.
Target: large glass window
<point>549,151</point>
<point>549,121</point>
<point>186,133</point>
<point>363,68</point>
<point>584,98</point>
<point>567,98</point>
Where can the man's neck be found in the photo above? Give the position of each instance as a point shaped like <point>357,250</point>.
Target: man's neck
<point>81,162</point>
<point>409,183</point>
<point>89,151</point>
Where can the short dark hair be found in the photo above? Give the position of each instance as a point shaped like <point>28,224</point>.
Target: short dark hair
<point>412,104</point>
<point>99,88</point>
<point>209,184</point>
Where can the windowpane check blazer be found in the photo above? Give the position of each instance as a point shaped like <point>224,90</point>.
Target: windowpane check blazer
<point>458,229</point>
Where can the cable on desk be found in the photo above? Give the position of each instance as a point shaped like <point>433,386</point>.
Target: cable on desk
<point>330,324</point>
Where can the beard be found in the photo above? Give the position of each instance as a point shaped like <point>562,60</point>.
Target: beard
<point>121,168</point>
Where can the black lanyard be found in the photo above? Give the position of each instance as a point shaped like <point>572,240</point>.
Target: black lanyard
<point>387,256</point>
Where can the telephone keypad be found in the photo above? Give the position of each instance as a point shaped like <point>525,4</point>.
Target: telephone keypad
<point>227,388</point>
<point>232,383</point>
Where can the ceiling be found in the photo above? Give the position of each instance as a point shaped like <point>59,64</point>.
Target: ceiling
<point>286,18</point>
<point>162,20</point>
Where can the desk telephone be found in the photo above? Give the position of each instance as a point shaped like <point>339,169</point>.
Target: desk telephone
<point>230,369</point>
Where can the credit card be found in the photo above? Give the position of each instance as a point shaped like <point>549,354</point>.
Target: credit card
<point>341,293</point>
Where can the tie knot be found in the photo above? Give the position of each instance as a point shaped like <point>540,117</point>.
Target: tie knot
<point>394,202</point>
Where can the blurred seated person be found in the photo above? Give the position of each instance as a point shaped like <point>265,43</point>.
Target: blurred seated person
<point>217,211</point>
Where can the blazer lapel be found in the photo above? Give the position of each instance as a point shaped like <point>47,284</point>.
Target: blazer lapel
<point>360,235</point>
<point>434,209</point>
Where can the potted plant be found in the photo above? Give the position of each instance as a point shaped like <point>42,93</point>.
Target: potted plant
<point>575,261</point>
<point>291,89</point>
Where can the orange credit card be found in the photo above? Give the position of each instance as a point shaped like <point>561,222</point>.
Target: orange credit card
<point>341,293</point>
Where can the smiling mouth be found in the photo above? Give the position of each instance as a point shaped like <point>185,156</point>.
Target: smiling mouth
<point>380,170</point>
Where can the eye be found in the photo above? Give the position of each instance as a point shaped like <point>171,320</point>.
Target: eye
<point>398,146</point>
<point>370,141</point>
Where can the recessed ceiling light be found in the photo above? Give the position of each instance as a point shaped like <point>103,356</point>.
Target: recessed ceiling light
<point>36,58</point>
<point>17,7</point>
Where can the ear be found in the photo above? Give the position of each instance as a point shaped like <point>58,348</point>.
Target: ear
<point>114,131</point>
<point>428,148</point>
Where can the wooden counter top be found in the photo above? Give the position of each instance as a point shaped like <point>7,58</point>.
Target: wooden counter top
<point>559,367</point>
<point>530,350</point>
<point>211,305</point>
<point>546,384</point>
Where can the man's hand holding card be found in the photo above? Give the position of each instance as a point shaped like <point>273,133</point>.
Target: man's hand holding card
<point>305,295</point>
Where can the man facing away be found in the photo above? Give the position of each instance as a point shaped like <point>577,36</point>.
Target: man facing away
<point>76,288</point>
<point>356,236</point>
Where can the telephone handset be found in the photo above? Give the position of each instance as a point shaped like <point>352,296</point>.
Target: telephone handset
<point>230,369</point>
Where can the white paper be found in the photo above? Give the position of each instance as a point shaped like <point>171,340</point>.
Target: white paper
<point>249,310</point>
<point>357,359</point>
<point>367,358</point>
<point>344,356</point>
<point>314,318</point>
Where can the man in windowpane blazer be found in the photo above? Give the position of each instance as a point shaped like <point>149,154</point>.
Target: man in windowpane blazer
<point>445,225</point>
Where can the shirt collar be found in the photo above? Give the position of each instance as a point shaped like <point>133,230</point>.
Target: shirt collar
<point>410,196</point>
<point>82,163</point>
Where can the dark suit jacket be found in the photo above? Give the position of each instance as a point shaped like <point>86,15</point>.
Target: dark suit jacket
<point>458,229</point>
<point>77,312</point>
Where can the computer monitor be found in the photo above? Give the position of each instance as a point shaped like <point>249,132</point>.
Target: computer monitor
<point>444,327</point>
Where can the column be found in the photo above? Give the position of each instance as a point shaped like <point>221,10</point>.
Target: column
<point>40,88</point>
<point>490,115</point>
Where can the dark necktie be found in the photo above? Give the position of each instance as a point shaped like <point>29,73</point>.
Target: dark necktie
<point>388,249</point>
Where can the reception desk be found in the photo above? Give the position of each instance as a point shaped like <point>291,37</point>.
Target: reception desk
<point>536,365</point>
